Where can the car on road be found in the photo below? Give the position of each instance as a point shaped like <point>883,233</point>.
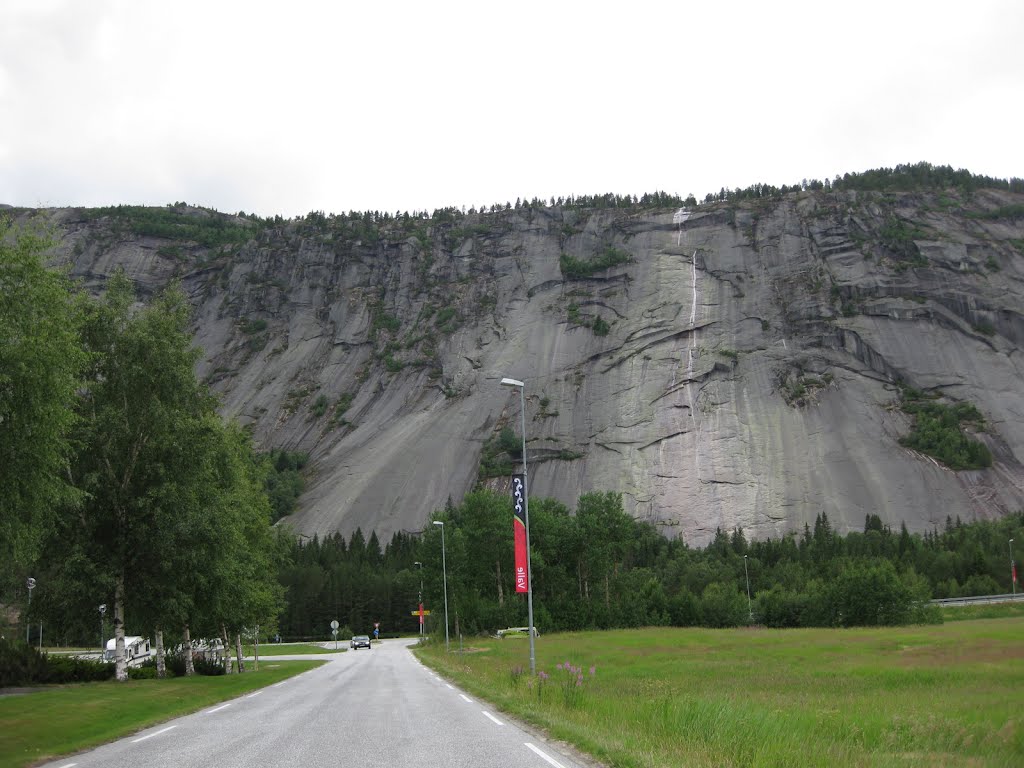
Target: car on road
<point>360,641</point>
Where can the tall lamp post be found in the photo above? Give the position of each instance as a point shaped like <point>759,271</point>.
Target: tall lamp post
<point>1013,570</point>
<point>444,571</point>
<point>31,584</point>
<point>419,603</point>
<point>750,608</point>
<point>506,382</point>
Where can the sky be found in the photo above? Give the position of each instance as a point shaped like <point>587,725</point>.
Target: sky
<point>289,107</point>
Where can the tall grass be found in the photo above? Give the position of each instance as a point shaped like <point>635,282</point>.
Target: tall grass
<point>919,696</point>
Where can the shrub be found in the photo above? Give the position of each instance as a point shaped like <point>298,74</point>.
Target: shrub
<point>21,664</point>
<point>937,431</point>
<point>572,267</point>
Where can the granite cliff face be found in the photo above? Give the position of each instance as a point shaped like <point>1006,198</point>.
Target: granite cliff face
<point>747,376</point>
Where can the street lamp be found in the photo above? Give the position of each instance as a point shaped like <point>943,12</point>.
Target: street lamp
<point>507,382</point>
<point>31,584</point>
<point>420,601</point>
<point>746,573</point>
<point>1013,570</point>
<point>444,571</point>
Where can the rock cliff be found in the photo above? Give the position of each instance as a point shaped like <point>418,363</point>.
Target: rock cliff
<point>736,364</point>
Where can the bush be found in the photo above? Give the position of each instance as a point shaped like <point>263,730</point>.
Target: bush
<point>21,664</point>
<point>722,605</point>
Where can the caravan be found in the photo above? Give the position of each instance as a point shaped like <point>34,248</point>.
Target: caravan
<point>136,650</point>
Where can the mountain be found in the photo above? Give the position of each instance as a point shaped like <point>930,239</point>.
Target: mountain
<point>752,361</point>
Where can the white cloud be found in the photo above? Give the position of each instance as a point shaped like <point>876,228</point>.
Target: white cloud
<point>408,105</point>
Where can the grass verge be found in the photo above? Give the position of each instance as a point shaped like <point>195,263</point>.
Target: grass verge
<point>908,696</point>
<point>91,714</point>
<point>288,649</point>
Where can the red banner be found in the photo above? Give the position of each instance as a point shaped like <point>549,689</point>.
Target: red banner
<point>519,531</point>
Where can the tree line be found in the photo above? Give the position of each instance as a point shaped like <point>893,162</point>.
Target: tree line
<point>599,568</point>
<point>119,483</point>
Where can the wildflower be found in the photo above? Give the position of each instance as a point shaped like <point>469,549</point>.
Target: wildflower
<point>593,671</point>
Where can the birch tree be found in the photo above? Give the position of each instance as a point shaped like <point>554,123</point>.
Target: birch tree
<point>40,362</point>
<point>139,407</point>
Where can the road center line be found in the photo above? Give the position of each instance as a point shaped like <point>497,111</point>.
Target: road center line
<point>544,755</point>
<point>466,698</point>
<point>218,709</point>
<point>151,735</point>
<point>492,717</point>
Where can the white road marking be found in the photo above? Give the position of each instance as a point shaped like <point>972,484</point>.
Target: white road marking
<point>489,716</point>
<point>68,765</point>
<point>544,755</point>
<point>452,687</point>
<point>275,685</point>
<point>218,709</point>
<point>254,695</point>
<point>151,735</point>
<point>466,698</point>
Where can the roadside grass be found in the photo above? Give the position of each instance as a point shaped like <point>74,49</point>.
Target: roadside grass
<point>945,695</point>
<point>60,720</point>
<point>993,611</point>
<point>288,649</point>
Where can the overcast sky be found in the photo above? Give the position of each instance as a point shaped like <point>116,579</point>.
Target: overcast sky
<point>287,107</point>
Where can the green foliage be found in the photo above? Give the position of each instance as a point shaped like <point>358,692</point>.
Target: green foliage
<point>319,406</point>
<point>41,359</point>
<point>340,408</point>
<point>22,665</point>
<point>600,326</point>
<point>383,321</point>
<point>937,431</point>
<point>499,454</point>
<point>577,268</point>
<point>284,482</point>
<point>254,326</point>
<point>898,237</point>
<point>207,228</point>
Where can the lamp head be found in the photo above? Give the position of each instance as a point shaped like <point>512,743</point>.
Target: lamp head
<point>506,382</point>
<point>439,522</point>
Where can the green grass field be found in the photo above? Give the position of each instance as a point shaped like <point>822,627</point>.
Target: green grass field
<point>949,695</point>
<point>91,714</point>
<point>288,649</point>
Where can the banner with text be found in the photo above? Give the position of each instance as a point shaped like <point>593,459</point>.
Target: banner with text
<point>519,530</point>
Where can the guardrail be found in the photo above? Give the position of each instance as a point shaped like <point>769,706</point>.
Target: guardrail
<point>959,602</point>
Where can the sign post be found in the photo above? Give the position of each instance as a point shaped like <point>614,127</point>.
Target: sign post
<point>334,631</point>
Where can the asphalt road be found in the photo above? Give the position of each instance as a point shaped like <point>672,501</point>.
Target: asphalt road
<point>378,707</point>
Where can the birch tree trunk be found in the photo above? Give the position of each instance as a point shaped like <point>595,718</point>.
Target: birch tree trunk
<point>120,663</point>
<point>161,665</point>
<point>501,592</point>
<point>227,648</point>
<point>190,668</point>
<point>238,651</point>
